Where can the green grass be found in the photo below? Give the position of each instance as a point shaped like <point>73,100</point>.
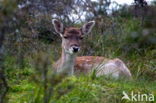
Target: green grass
<point>103,90</point>
<point>82,89</point>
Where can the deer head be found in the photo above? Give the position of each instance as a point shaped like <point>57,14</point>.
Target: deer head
<point>72,36</point>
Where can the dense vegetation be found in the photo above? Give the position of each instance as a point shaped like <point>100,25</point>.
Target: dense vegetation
<point>28,61</point>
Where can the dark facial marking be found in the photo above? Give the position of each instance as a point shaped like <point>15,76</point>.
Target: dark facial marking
<point>73,31</point>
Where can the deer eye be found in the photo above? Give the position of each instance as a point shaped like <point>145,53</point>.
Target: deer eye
<point>65,37</point>
<point>80,38</point>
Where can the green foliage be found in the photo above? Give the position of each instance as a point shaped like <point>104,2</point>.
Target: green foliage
<point>82,89</point>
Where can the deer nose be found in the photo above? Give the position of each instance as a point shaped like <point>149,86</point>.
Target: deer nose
<point>75,49</point>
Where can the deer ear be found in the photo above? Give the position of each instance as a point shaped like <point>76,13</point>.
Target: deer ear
<point>86,28</point>
<point>58,26</point>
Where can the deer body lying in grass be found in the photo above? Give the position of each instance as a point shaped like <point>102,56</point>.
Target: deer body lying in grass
<point>69,63</point>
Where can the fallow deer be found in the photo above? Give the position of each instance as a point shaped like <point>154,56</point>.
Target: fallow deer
<point>69,63</point>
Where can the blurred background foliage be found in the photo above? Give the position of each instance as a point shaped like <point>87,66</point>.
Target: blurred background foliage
<point>29,45</point>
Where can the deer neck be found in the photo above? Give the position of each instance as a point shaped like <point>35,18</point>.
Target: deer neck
<point>67,62</point>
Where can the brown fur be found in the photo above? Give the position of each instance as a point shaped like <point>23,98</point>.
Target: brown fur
<point>69,63</point>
